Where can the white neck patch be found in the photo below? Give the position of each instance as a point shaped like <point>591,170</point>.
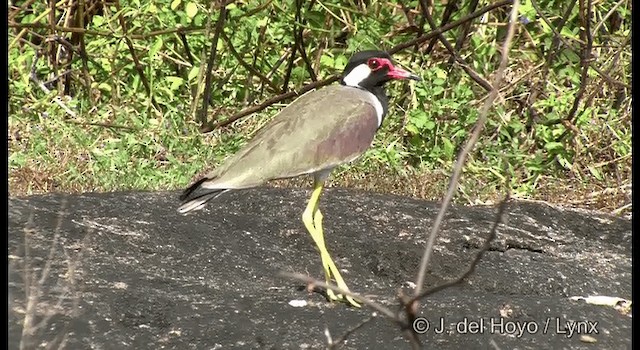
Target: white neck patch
<point>378,106</point>
<point>357,75</point>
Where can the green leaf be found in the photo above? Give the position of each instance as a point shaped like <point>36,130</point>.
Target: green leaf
<point>175,82</point>
<point>97,21</point>
<point>418,118</point>
<point>448,147</point>
<point>430,125</point>
<point>412,129</point>
<point>175,4</point>
<point>262,22</point>
<point>192,9</point>
<point>553,146</point>
<point>595,172</point>
<point>193,73</point>
<point>104,86</point>
<point>157,45</point>
<point>327,60</point>
<point>564,162</point>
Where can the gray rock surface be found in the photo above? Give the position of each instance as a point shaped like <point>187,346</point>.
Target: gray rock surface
<point>126,271</point>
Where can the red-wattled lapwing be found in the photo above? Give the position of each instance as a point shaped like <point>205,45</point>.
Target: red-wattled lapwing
<point>315,133</point>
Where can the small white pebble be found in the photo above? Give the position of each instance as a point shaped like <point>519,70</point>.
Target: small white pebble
<point>298,303</point>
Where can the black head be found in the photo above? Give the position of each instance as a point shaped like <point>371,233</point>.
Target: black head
<point>372,68</point>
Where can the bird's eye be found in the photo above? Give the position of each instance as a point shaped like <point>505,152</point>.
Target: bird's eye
<point>374,64</point>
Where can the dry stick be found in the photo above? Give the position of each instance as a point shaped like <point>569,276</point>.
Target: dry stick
<point>551,55</point>
<point>255,10</point>
<point>300,22</point>
<point>446,15</point>
<point>52,51</point>
<point>254,62</point>
<point>485,247</point>
<point>24,27</point>
<point>449,26</point>
<point>179,30</point>
<point>613,9</point>
<point>453,183</point>
<point>606,76</point>
<point>279,62</point>
<point>136,61</point>
<point>312,282</point>
<point>202,116</point>
<point>83,55</point>
<point>246,65</point>
<point>185,44</point>
<point>292,58</point>
<point>586,58</point>
<point>335,344</point>
<point>103,125</point>
<point>199,86</point>
<point>475,76</point>
<point>19,10</point>
<point>462,36</point>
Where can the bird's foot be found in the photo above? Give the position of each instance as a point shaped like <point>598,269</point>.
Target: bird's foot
<point>331,295</point>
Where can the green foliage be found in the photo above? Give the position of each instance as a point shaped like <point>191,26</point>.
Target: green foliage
<point>123,136</point>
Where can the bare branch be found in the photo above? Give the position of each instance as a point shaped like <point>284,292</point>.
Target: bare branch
<point>334,344</point>
<point>313,282</point>
<point>475,76</point>
<point>449,26</point>
<point>136,61</point>
<point>202,116</point>
<point>453,183</point>
<point>485,247</point>
<point>246,65</point>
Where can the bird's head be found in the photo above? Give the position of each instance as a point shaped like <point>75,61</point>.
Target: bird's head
<point>370,69</point>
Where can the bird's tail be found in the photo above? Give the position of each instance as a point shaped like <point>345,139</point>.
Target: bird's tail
<point>195,197</point>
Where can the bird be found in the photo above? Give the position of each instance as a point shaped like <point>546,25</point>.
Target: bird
<point>315,133</point>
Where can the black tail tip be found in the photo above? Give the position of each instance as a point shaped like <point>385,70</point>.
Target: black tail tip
<point>185,194</point>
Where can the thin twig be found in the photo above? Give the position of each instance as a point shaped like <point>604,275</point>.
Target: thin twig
<point>475,76</point>
<point>449,26</point>
<point>187,49</point>
<point>312,282</point>
<point>103,125</point>
<point>136,61</point>
<point>586,58</point>
<point>452,6</point>
<point>83,55</point>
<point>474,263</point>
<point>292,58</point>
<point>202,116</point>
<point>246,65</point>
<point>464,31</point>
<point>551,55</point>
<point>297,32</point>
<point>453,183</point>
<point>334,344</point>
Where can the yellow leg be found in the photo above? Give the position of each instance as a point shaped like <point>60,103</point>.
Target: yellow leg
<point>312,218</point>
